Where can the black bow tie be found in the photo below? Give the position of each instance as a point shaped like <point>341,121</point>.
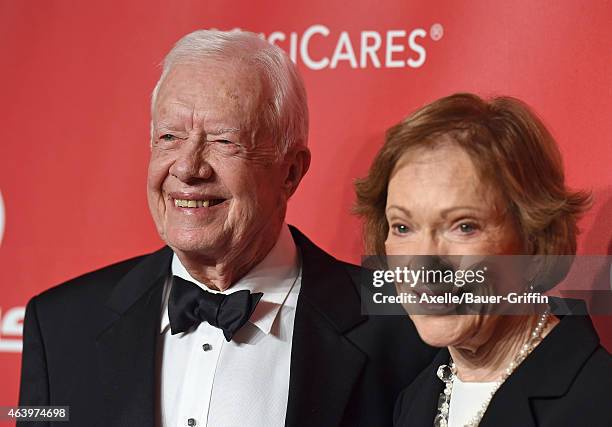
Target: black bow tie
<point>190,305</point>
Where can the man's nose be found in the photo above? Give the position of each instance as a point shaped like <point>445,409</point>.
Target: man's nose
<point>191,163</point>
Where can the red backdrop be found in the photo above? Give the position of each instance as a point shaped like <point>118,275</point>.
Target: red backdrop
<point>76,80</point>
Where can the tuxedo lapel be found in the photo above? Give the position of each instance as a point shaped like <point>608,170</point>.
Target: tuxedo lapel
<point>325,364</point>
<point>127,345</point>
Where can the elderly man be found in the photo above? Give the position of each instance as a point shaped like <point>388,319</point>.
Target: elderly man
<point>240,320</point>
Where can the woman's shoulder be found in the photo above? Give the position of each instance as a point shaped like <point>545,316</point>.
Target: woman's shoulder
<point>596,373</point>
<point>564,382</point>
<point>586,401</point>
<point>570,363</point>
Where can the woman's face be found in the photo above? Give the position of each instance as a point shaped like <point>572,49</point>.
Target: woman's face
<point>437,204</point>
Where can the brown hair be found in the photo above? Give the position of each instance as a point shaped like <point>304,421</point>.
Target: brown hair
<point>508,144</point>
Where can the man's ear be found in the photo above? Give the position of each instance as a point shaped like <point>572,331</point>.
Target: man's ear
<point>297,162</point>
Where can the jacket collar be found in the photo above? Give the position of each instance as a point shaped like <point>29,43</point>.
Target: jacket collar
<point>548,372</point>
<point>139,280</point>
<point>329,288</point>
<point>559,358</point>
<point>319,270</point>
<point>126,347</point>
<point>325,364</point>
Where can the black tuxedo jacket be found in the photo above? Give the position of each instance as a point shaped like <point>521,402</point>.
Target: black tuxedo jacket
<point>90,343</point>
<point>564,382</point>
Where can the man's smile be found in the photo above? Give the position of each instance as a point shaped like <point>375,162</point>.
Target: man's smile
<point>190,203</point>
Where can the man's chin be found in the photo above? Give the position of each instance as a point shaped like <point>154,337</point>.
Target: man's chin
<point>196,243</point>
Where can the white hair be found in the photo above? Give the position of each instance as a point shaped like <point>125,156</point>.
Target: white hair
<point>286,116</point>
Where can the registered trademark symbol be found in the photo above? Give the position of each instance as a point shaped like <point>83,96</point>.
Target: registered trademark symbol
<point>436,32</point>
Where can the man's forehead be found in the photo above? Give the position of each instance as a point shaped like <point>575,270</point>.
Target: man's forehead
<point>229,78</point>
<point>198,84</point>
<point>212,109</point>
<point>217,120</point>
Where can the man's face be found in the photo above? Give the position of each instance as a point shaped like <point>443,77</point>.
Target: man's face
<point>214,183</point>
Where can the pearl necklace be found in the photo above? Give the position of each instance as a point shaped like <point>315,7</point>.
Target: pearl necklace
<point>447,373</point>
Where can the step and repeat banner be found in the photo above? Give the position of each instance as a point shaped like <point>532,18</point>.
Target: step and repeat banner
<point>77,77</point>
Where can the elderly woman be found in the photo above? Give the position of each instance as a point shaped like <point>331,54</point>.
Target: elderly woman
<point>464,176</point>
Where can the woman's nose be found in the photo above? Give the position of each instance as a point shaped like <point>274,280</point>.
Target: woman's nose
<point>431,244</point>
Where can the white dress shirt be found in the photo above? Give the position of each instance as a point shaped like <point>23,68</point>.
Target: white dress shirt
<point>207,381</point>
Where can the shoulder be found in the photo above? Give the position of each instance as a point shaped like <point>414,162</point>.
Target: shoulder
<point>592,363</point>
<point>85,291</point>
<point>94,282</point>
<point>357,273</point>
<point>586,400</point>
<point>595,375</point>
<point>320,269</point>
<point>567,378</point>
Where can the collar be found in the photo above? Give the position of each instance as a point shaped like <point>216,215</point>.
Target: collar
<point>547,372</point>
<point>276,276</point>
<point>559,358</point>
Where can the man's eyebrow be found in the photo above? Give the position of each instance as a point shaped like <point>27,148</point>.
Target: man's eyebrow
<point>166,125</point>
<point>219,131</point>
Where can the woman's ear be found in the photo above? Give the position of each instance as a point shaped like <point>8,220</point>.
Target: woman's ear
<point>533,271</point>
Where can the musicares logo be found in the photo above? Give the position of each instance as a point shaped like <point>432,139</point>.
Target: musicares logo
<point>319,48</point>
<point>11,330</point>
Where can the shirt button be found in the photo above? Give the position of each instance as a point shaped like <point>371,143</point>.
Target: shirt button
<point>205,347</point>
<point>191,422</point>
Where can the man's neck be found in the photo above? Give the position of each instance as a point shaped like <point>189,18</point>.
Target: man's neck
<point>221,273</point>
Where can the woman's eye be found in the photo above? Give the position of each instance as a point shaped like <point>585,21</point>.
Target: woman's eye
<point>400,228</point>
<point>467,227</point>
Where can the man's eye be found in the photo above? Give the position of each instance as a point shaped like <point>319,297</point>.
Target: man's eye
<point>224,141</point>
<point>167,137</point>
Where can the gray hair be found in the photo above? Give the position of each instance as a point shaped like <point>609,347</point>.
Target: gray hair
<point>286,116</point>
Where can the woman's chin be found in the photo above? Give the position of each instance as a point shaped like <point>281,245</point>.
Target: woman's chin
<point>442,331</point>
<point>436,340</point>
